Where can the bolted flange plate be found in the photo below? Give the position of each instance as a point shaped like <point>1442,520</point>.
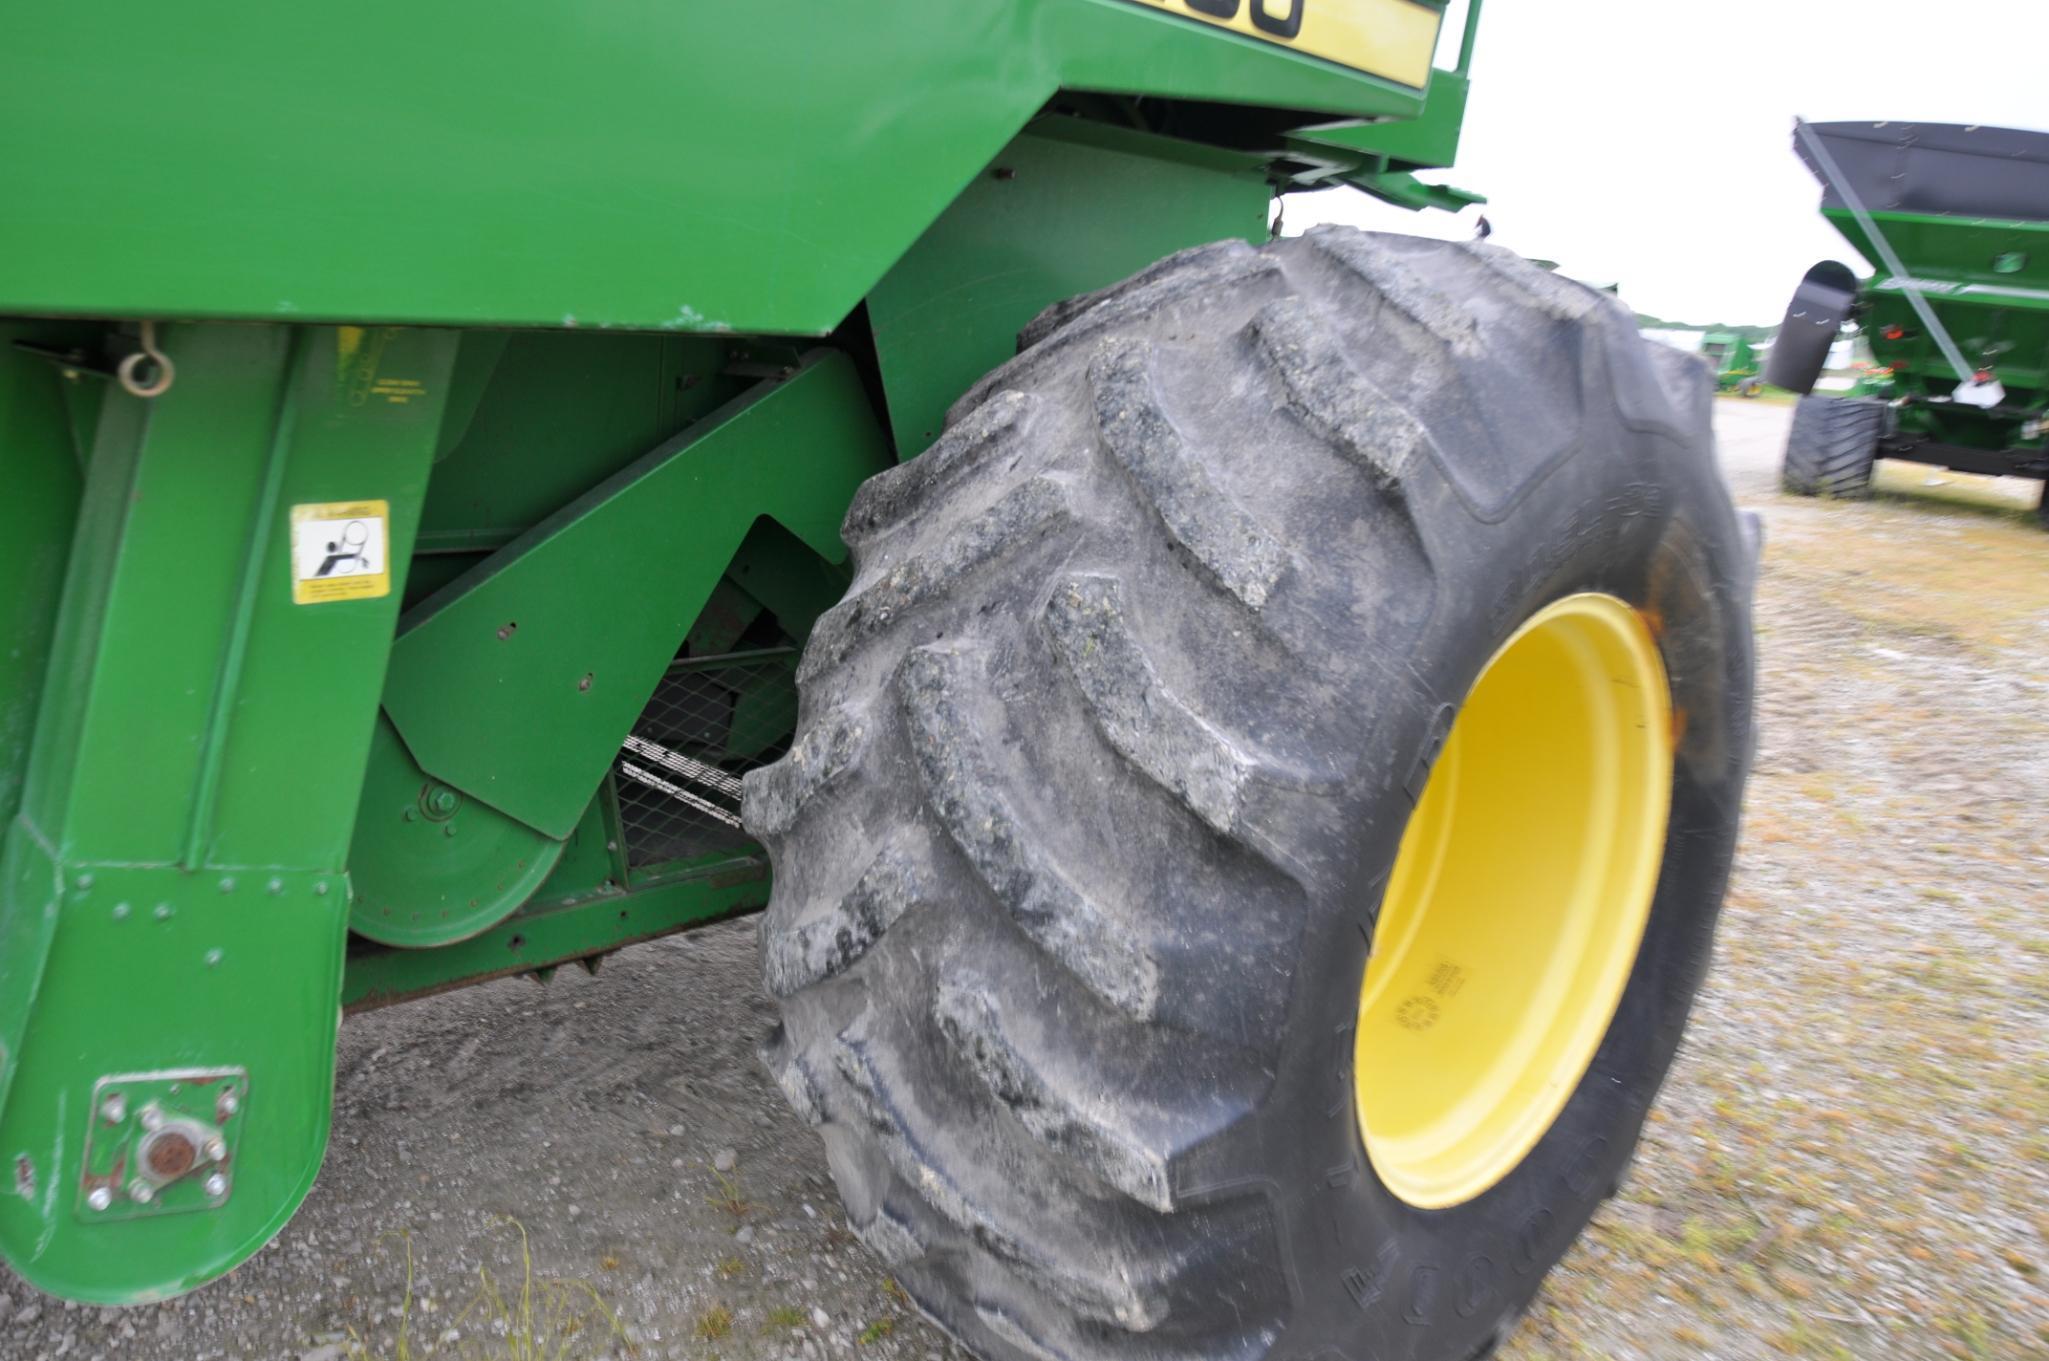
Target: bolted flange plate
<point>161,1142</point>
<point>429,865</point>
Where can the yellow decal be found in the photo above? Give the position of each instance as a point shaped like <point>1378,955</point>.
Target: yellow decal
<point>358,351</point>
<point>398,391</point>
<point>347,340</point>
<point>341,550</point>
<point>1395,39</point>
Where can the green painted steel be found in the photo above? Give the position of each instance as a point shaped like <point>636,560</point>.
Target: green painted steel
<point>175,869</point>
<point>428,866</point>
<point>538,167</point>
<point>201,777</point>
<point>42,470</point>
<point>562,635</point>
<point>1031,228</point>
<point>1395,147</point>
<point>1988,282</point>
<point>550,931</point>
<point>554,414</point>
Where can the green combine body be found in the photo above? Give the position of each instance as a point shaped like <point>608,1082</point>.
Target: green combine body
<point>438,451</point>
<point>591,321</point>
<point>1957,220</point>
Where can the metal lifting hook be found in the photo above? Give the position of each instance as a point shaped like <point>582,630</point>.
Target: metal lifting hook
<point>161,371</point>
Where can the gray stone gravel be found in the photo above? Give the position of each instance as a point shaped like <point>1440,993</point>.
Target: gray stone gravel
<point>1850,1160</point>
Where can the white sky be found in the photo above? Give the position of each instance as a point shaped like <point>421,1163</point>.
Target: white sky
<point>1649,142</point>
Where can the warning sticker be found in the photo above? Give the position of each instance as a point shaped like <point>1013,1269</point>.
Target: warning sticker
<point>340,551</point>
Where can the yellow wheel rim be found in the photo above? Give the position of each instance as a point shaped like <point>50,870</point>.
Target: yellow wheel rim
<point>1518,899</point>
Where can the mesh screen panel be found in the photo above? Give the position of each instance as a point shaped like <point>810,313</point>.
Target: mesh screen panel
<point>711,720</point>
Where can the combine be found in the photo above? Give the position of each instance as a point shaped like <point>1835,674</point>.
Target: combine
<point>1238,741</point>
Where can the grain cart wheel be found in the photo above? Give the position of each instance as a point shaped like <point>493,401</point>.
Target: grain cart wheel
<point>1356,587</point>
<point>1832,446</point>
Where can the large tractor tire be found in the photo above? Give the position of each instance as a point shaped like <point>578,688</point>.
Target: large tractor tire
<point>1832,446</point>
<point>1278,601</point>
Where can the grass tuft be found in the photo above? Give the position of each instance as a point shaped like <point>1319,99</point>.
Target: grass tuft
<point>545,1318</point>
<point>783,1318</point>
<point>714,1323</point>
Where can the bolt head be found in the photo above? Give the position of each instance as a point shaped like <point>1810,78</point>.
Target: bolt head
<point>215,1149</point>
<point>152,1118</point>
<point>216,1185</point>
<point>99,1198</point>
<point>141,1192</point>
<point>115,1107</point>
<point>227,1105</point>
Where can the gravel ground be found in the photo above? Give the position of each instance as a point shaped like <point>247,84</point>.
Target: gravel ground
<point>1850,1160</point>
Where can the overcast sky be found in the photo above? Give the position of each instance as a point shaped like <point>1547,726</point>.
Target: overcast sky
<point>1649,143</point>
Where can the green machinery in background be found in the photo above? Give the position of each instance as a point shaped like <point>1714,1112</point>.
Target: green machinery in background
<point>426,445</point>
<point>1735,362</point>
<point>1956,221</point>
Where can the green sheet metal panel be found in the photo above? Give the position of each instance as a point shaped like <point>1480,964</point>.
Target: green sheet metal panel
<point>40,470</point>
<point>559,413</point>
<point>693,167</point>
<point>1988,280</point>
<point>1066,208</point>
<point>566,631</point>
<point>553,930</point>
<point>171,895</point>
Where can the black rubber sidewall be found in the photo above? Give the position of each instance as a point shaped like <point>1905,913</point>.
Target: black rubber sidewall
<point>1372,1275</point>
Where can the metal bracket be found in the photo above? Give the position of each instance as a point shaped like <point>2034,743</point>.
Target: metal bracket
<point>568,629</point>
<point>161,1143</point>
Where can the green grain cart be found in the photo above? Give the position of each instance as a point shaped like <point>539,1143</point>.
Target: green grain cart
<point>1248,733</point>
<point>1957,314</point>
